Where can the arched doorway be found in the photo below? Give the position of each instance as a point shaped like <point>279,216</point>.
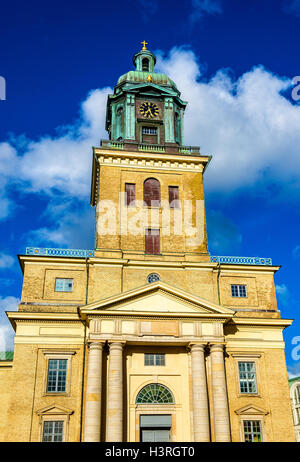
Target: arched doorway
<point>155,426</point>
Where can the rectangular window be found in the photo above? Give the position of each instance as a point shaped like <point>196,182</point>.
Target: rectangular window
<point>252,431</point>
<point>63,285</point>
<point>152,241</point>
<point>53,431</point>
<point>129,194</point>
<point>154,359</point>
<point>57,375</point>
<point>174,197</point>
<point>247,375</point>
<point>238,290</point>
<point>149,130</point>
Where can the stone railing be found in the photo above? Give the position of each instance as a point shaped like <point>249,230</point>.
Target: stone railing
<point>151,148</point>
<point>51,252</point>
<point>43,251</point>
<point>241,260</point>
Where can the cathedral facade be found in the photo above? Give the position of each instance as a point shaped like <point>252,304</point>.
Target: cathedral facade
<point>147,337</point>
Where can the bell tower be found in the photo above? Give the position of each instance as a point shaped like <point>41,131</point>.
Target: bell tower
<point>145,107</point>
<point>147,186</point>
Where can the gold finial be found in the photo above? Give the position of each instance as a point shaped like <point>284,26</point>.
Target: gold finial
<point>149,78</point>
<point>144,45</point>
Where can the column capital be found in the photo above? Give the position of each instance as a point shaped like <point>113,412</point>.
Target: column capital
<point>195,346</point>
<point>217,347</point>
<point>95,345</point>
<point>116,344</point>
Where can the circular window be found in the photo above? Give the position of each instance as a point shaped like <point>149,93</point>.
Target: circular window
<point>155,393</point>
<point>153,277</point>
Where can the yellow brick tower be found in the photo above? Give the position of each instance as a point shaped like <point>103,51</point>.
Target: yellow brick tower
<point>147,337</point>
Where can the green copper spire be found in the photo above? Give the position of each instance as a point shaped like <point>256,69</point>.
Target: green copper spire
<point>137,89</point>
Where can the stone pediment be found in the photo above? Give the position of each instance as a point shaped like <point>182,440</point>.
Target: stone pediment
<point>54,409</point>
<point>158,298</point>
<point>250,409</point>
<point>151,87</point>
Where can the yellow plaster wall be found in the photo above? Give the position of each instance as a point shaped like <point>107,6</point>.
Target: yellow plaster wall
<point>174,375</point>
<point>116,276</point>
<point>5,389</point>
<point>190,188</point>
<point>272,397</point>
<point>27,393</point>
<point>260,290</point>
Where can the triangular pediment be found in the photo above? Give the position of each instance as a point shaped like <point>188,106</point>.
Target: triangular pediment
<point>54,409</point>
<point>251,409</point>
<point>151,87</point>
<point>159,297</point>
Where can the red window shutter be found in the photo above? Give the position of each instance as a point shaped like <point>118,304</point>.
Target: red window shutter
<point>173,196</point>
<point>152,192</point>
<point>129,193</point>
<point>152,240</point>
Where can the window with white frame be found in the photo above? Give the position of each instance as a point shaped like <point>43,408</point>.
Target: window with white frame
<point>57,375</point>
<point>252,431</point>
<point>154,359</point>
<point>297,394</point>
<point>238,290</point>
<point>149,130</point>
<point>247,377</point>
<point>53,431</point>
<point>63,285</point>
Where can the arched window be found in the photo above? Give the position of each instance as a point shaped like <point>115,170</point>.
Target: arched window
<point>152,192</point>
<point>297,394</point>
<point>153,277</point>
<point>155,393</point>
<point>145,65</point>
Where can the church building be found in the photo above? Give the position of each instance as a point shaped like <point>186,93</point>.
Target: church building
<point>146,337</point>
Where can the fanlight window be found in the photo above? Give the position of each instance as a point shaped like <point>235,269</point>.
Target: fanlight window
<point>155,393</point>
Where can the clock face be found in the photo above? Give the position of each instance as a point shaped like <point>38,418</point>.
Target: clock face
<point>149,110</point>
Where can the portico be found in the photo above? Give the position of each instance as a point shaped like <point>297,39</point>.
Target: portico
<point>189,332</point>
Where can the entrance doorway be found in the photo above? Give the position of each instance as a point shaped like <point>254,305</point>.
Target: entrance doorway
<point>155,428</point>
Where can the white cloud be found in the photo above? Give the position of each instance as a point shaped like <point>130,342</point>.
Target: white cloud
<point>283,293</point>
<point>248,126</point>
<point>292,7</point>
<point>294,371</point>
<point>251,129</point>
<point>73,226</point>
<point>148,8</point>
<point>296,252</point>
<point>54,165</point>
<point>6,261</point>
<point>201,8</point>
<point>64,163</point>
<point>6,331</point>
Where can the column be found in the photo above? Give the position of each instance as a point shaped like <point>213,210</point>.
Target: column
<point>92,420</point>
<point>200,394</point>
<point>219,394</point>
<point>114,425</point>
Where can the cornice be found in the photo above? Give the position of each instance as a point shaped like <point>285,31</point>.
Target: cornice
<point>265,322</point>
<point>151,156</point>
<point>52,317</point>
<point>90,314</point>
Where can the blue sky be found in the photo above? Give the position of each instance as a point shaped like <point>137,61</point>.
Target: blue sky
<point>234,63</point>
